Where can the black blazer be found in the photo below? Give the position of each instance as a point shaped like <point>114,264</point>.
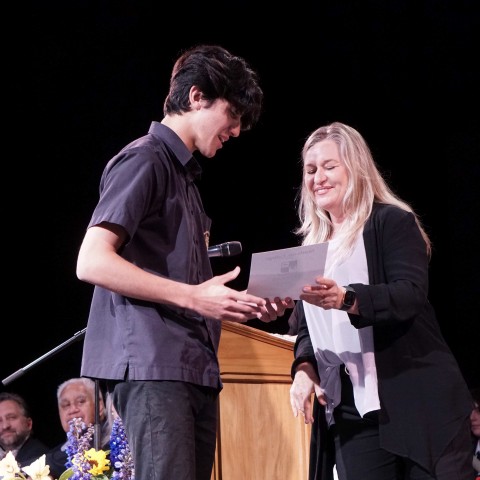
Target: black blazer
<point>56,459</point>
<point>30,451</point>
<point>423,395</point>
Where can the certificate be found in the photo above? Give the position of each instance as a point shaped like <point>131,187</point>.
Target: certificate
<point>283,273</point>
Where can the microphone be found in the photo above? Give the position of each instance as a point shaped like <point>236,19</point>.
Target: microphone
<point>226,249</point>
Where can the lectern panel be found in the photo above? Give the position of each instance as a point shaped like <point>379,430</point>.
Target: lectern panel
<point>258,436</point>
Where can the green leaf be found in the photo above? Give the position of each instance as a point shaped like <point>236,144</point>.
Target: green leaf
<point>66,474</point>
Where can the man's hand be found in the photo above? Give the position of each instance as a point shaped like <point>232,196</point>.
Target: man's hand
<point>275,309</point>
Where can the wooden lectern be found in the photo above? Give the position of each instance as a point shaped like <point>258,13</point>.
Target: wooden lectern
<point>258,437</point>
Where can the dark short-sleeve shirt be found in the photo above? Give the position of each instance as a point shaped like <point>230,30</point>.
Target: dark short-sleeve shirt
<point>149,189</point>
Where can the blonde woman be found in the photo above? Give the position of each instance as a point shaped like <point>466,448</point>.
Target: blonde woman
<point>391,402</point>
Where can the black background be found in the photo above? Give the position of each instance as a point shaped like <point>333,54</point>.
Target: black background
<point>86,78</point>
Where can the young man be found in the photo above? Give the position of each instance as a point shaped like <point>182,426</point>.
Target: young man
<point>16,430</point>
<point>155,319</point>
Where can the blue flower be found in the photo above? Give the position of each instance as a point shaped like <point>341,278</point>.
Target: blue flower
<point>84,463</point>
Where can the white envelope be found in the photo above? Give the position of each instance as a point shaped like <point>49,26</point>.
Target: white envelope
<point>283,273</point>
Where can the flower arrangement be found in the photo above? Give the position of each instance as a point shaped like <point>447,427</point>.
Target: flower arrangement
<point>84,462</point>
<point>9,469</point>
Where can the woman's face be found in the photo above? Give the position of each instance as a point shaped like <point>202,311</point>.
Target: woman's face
<point>475,421</point>
<point>325,176</point>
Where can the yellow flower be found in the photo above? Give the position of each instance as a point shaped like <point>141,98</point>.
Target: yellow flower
<point>38,470</point>
<point>9,467</point>
<point>98,460</point>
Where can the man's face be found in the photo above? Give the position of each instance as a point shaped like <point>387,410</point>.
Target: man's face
<point>214,124</point>
<point>15,427</point>
<point>76,402</point>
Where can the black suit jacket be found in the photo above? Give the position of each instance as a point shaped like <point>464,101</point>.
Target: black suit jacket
<point>31,450</point>
<point>56,459</point>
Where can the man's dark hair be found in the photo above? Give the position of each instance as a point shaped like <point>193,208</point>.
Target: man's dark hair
<point>4,396</point>
<point>219,75</point>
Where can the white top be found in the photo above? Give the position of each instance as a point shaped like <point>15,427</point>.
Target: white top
<point>337,342</point>
<point>476,458</point>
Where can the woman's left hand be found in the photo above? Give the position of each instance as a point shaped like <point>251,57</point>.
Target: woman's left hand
<point>325,294</point>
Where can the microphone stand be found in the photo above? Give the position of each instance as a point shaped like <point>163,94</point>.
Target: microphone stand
<point>21,371</point>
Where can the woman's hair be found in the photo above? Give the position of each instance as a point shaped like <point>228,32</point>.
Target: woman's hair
<point>476,395</point>
<point>219,75</point>
<point>365,187</point>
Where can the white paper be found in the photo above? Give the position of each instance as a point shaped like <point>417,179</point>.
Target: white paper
<point>283,273</point>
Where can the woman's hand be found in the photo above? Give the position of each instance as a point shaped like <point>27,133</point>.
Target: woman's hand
<point>325,294</point>
<point>305,383</point>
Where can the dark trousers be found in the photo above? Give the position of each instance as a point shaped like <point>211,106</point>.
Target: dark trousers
<point>171,428</point>
<point>358,454</point>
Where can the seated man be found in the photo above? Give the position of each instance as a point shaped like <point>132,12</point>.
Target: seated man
<point>475,427</point>
<point>76,399</point>
<point>16,431</point>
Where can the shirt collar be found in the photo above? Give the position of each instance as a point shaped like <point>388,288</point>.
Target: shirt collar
<point>181,152</point>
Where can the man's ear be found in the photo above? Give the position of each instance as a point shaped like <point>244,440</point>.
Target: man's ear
<point>101,409</point>
<point>195,97</point>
